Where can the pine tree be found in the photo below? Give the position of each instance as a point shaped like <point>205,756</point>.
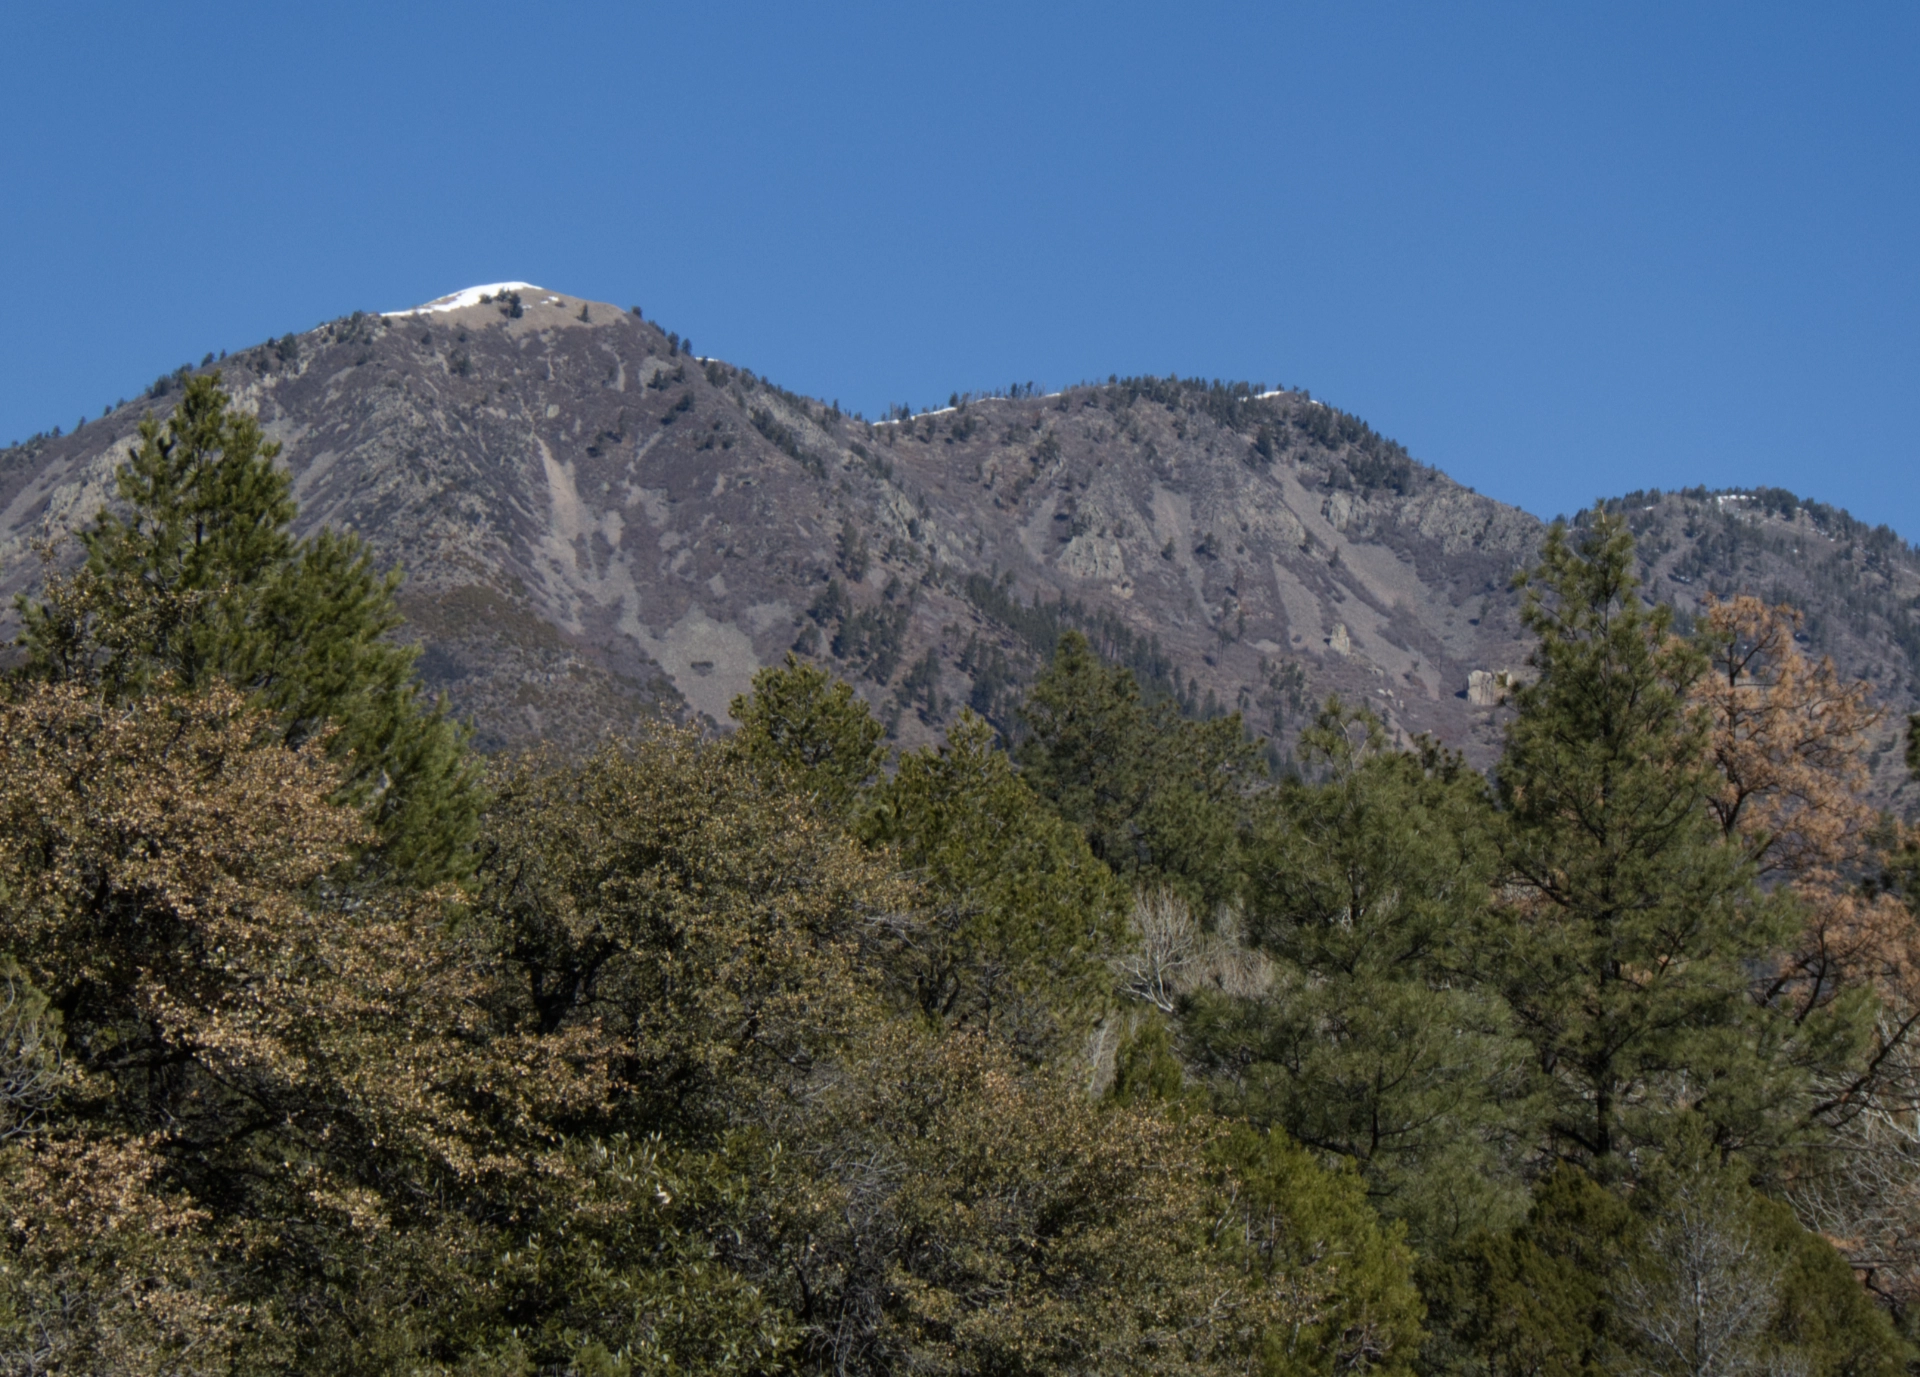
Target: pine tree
<point>196,577</point>
<point>802,722</point>
<point>1631,929</point>
<point>1790,741</point>
<point>1376,1041</point>
<point>1160,798</point>
<point>1021,919</point>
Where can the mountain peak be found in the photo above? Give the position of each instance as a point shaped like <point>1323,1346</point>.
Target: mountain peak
<point>465,297</point>
<point>598,526</point>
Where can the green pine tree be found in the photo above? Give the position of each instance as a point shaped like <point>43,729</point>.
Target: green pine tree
<point>1631,931</point>
<point>1376,1042</point>
<point>197,577</point>
<point>1021,918</point>
<point>802,722</point>
<point>1160,798</point>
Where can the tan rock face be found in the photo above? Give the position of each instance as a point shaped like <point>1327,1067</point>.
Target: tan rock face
<point>1485,688</point>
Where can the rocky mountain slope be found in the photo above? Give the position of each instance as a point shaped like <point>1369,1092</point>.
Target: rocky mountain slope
<point>599,526</point>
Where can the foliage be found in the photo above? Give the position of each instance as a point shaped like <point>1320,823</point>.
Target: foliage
<point>1534,1299</point>
<point>802,720</point>
<point>1375,1041</point>
<point>630,1266</point>
<point>1725,1277</point>
<point>1159,798</point>
<point>1695,1272</point>
<point>665,895</point>
<point>1020,919</point>
<point>997,1220</point>
<point>249,1064</point>
<point>1789,740</point>
<point>739,1056</point>
<point>1308,1233</point>
<point>196,578</point>
<point>1626,938</point>
<point>101,1270</point>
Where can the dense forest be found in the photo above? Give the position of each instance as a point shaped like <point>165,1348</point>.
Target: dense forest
<point>1089,1046</point>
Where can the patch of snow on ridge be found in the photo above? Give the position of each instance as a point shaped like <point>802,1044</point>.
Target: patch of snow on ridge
<point>461,300</point>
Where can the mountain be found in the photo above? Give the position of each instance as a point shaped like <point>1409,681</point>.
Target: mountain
<point>599,526</point>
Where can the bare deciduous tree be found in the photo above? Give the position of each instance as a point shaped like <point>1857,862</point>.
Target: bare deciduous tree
<point>30,1066</point>
<point>1169,941</point>
<point>1175,957</point>
<point>1701,1306</point>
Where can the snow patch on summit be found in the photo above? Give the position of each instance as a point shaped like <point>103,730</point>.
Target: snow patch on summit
<point>460,300</point>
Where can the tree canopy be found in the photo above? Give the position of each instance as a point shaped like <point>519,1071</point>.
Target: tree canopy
<point>1020,919</point>
<point>194,576</point>
<point>1628,935</point>
<point>1159,797</point>
<point>765,1053</point>
<point>1375,1040</point>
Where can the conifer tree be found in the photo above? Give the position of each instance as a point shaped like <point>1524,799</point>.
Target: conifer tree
<point>1021,918</point>
<point>1693,1271</point>
<point>1160,798</point>
<point>1631,929</point>
<point>1790,740</point>
<point>196,577</point>
<point>1289,1215</point>
<point>802,721</point>
<point>1376,1040</point>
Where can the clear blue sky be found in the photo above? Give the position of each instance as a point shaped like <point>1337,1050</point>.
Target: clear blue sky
<point>1559,250</point>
